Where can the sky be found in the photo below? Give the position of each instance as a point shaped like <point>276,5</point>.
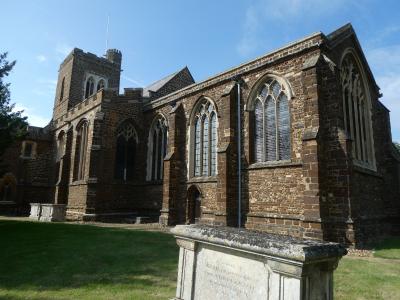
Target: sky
<point>160,37</point>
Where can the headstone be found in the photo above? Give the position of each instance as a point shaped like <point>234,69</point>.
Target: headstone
<point>35,211</point>
<point>48,212</point>
<point>235,264</point>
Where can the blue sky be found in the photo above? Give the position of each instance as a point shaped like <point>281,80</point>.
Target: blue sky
<point>160,37</point>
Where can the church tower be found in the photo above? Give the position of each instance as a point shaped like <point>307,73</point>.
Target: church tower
<point>82,74</point>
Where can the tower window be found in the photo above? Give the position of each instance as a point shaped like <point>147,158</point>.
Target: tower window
<point>100,85</point>
<point>62,89</point>
<point>89,90</point>
<point>28,149</point>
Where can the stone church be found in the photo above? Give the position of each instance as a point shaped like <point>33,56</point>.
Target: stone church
<point>294,142</point>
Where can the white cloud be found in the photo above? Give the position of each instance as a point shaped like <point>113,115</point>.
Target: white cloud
<point>131,80</point>
<point>34,118</point>
<point>264,14</point>
<point>41,58</point>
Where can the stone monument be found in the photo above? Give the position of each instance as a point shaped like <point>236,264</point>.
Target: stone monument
<point>229,263</point>
<point>48,212</point>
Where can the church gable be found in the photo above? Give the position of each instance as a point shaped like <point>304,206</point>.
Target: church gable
<point>169,84</point>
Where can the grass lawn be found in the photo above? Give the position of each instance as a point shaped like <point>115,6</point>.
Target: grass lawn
<point>375,277</point>
<point>68,261</point>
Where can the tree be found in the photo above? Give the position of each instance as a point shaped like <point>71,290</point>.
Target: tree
<point>12,124</point>
<point>397,145</point>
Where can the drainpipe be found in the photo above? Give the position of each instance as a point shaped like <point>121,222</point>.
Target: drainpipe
<point>239,153</point>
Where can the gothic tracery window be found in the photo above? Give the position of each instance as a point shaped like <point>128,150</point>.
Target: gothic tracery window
<point>271,123</point>
<point>157,148</point>
<point>125,152</point>
<point>81,150</point>
<point>356,112</point>
<point>205,140</point>
<point>89,90</point>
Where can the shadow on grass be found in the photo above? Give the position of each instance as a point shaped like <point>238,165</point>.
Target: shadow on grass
<point>389,248</point>
<point>48,256</point>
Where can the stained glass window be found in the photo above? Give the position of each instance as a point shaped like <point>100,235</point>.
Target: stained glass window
<point>271,123</point>
<point>205,139</point>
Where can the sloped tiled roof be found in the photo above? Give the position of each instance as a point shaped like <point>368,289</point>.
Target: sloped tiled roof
<point>155,86</point>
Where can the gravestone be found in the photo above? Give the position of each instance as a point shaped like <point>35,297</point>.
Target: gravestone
<point>235,264</point>
<point>48,212</point>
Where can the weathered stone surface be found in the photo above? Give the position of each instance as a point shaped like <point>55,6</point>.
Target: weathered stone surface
<point>228,263</point>
<point>48,212</point>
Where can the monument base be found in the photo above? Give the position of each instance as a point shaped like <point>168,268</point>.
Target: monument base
<point>48,212</point>
<point>230,263</point>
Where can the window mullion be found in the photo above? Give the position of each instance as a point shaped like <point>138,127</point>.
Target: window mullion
<point>210,132</point>
<point>350,104</point>
<point>276,131</point>
<point>357,125</point>
<point>264,139</point>
<point>201,146</point>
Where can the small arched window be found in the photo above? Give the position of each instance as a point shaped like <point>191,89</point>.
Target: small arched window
<point>157,148</point>
<point>60,145</point>
<point>271,123</point>
<point>204,148</point>
<point>89,90</point>
<point>125,152</point>
<point>62,89</point>
<point>81,151</point>
<point>100,85</point>
<point>356,105</point>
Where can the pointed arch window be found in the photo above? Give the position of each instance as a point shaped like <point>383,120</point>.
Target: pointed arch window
<point>157,149</point>
<point>89,90</point>
<point>125,152</point>
<point>204,148</point>
<point>81,150</point>
<point>271,123</point>
<point>100,85</point>
<point>62,89</point>
<point>357,119</point>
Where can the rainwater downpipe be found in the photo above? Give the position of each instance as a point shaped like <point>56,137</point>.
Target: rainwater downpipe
<point>239,153</point>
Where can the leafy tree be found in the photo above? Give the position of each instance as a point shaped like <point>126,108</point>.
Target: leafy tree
<point>12,123</point>
<point>397,145</point>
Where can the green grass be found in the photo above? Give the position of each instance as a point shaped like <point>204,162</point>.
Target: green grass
<point>388,249</point>
<point>375,277</point>
<point>66,261</point>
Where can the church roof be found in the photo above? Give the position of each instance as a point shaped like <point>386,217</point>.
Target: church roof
<point>156,86</point>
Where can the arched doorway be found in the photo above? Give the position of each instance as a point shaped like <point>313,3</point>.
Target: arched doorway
<point>193,205</point>
<point>8,188</point>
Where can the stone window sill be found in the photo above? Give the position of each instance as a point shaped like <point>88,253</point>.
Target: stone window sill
<point>365,170</point>
<point>274,164</point>
<point>203,179</point>
<point>78,182</point>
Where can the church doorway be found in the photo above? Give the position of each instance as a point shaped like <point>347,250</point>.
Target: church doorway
<point>8,187</point>
<point>193,205</point>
